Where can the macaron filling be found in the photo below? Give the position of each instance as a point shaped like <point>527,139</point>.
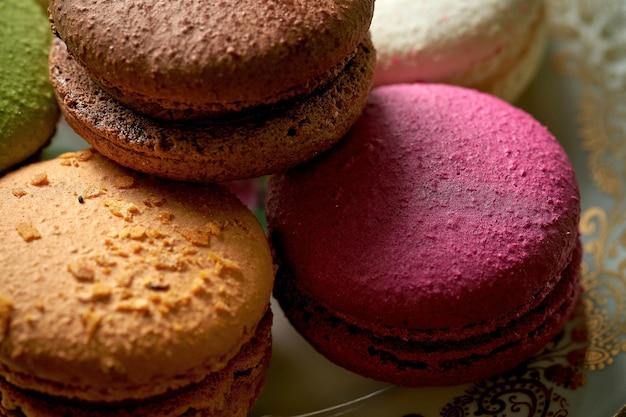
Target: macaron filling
<point>222,112</point>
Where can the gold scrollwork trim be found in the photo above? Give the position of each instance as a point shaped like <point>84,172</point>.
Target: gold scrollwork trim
<point>590,37</point>
<point>604,298</point>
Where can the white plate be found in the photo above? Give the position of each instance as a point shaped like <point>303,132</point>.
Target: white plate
<point>580,94</point>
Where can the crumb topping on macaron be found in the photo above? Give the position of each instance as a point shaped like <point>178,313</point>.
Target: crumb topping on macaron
<point>144,286</point>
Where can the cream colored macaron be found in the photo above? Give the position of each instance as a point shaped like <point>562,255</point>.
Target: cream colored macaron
<point>495,46</point>
<point>118,287</point>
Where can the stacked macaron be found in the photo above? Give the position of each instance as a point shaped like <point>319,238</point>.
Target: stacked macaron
<point>495,46</point>
<point>145,295</point>
<point>208,91</point>
<point>436,244</point>
<point>29,111</point>
<point>398,239</point>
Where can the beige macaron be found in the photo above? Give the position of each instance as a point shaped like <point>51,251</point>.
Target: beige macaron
<point>495,46</point>
<point>120,289</point>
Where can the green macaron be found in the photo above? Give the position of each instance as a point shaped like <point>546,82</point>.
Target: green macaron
<point>28,108</point>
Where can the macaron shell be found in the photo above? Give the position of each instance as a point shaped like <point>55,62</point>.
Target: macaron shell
<point>230,392</point>
<point>494,46</point>
<point>118,285</point>
<point>510,75</point>
<point>29,109</point>
<point>211,54</point>
<point>270,140</point>
<point>438,194</point>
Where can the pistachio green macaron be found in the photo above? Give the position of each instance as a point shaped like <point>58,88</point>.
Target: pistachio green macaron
<point>28,108</point>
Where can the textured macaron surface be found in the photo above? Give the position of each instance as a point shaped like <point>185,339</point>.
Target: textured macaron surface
<point>442,208</point>
<point>117,285</point>
<point>270,141</point>
<point>477,44</point>
<point>229,392</point>
<point>29,110</point>
<point>211,52</point>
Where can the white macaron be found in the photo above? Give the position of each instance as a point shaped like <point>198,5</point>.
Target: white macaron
<point>495,46</point>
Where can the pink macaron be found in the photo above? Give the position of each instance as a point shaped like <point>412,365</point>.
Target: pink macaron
<point>437,244</point>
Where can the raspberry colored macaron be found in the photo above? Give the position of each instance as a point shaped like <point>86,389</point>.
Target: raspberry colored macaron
<point>437,244</point>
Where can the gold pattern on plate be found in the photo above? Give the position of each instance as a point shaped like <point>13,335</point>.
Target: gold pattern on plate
<point>605,288</point>
<point>593,52</point>
<point>538,387</point>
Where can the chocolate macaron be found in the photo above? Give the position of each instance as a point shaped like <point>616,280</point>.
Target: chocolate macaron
<point>437,244</point>
<point>209,91</point>
<point>122,294</point>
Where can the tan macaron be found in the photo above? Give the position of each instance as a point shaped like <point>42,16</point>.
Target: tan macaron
<point>120,288</point>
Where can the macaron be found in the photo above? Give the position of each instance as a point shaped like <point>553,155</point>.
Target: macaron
<point>436,244</point>
<point>125,294</point>
<point>212,92</point>
<point>495,46</point>
<point>29,109</point>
